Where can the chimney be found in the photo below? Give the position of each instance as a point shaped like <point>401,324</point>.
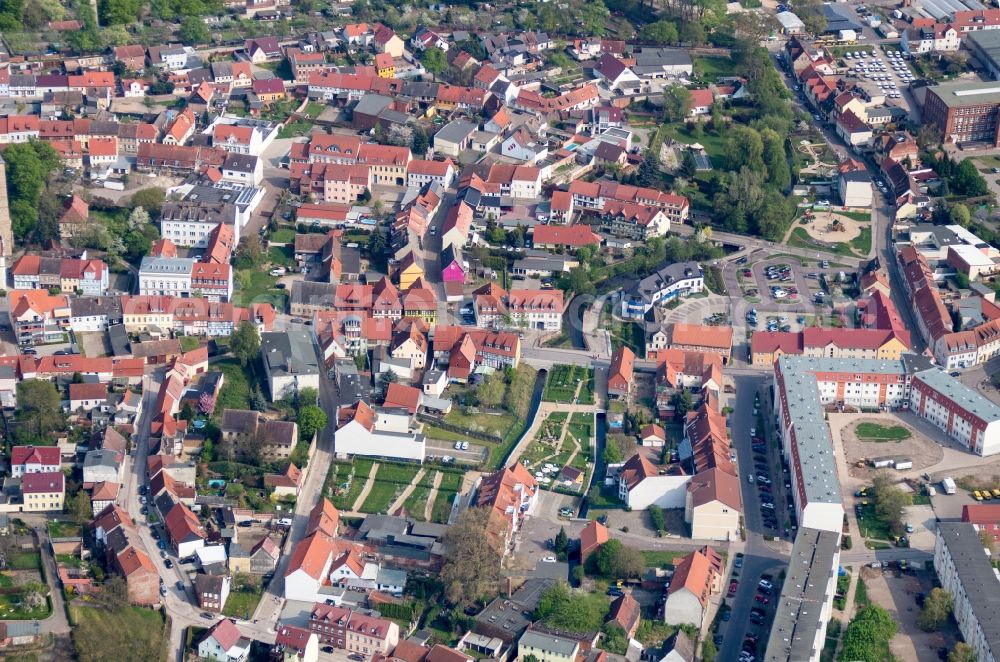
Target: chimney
<point>510,588</point>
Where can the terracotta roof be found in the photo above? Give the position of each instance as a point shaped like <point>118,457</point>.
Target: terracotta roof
<point>699,335</point>
<point>104,491</point>
<point>88,391</point>
<point>696,572</point>
<point>636,469</point>
<point>132,560</point>
<point>402,396</point>
<point>625,611</point>
<point>294,638</point>
<point>311,556</point>
<point>592,536</point>
<point>225,633</point>
<point>565,235</point>
<point>653,430</point>
<point>323,518</point>
<point>182,524</point>
<point>44,482</point>
<point>621,370</point>
<point>45,455</point>
<point>716,485</point>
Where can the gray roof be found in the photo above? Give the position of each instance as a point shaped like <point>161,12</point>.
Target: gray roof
<point>666,57</point>
<point>111,307</point>
<point>289,353</point>
<point>313,293</point>
<point>987,45</point>
<point>391,576</point>
<point>789,20</point>
<point>101,458</point>
<point>240,162</point>
<point>550,643</point>
<point>977,577</point>
<point>455,131</point>
<point>799,614</point>
<point>380,527</point>
<point>165,265</point>
<point>966,93</point>
<point>372,104</point>
<point>960,394</point>
<point>646,288</point>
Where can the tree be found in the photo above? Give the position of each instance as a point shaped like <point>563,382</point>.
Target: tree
<point>775,159</point>
<point>959,214</point>
<point>660,33</point>
<point>616,561</point>
<point>114,593</point>
<point>138,218</point>
<point>572,611</point>
<point>257,400</point>
<point>962,652</point>
<point>472,569</point>
<point>245,342</point>
<point>376,243</point>
<point>187,411</point>
<point>34,596</point>
<point>80,509</point>
<point>649,170</point>
<point>561,541</point>
<point>38,410</point>
<point>937,609</point>
<point>419,142</point>
<point>194,31</point>
<point>28,167</point>
<point>490,391</point>
<point>744,148</point>
<point>692,32</point>
<point>867,636</point>
<point>250,254</point>
<point>676,104</point>
<point>434,60</point>
<point>966,181</point>
<point>119,12</point>
<point>708,651</point>
<point>311,420</point>
<point>150,199</point>
<point>206,403</point>
<point>682,403</point>
<point>890,501</point>
<point>615,640</point>
<point>657,519</point>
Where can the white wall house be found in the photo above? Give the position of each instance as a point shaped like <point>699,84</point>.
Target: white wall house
<point>170,276</point>
<point>379,433</point>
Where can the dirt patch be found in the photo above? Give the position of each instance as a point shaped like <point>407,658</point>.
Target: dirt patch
<point>831,227</point>
<point>980,481</point>
<point>898,596</point>
<point>923,452</point>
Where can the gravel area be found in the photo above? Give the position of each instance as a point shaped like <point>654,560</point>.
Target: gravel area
<point>922,451</point>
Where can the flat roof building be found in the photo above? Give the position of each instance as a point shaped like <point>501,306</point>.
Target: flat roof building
<point>965,112</point>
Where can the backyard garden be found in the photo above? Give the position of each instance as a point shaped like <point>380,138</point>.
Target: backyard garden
<point>562,382</point>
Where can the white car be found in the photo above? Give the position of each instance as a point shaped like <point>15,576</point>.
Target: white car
<point>750,478</point>
<point>465,446</point>
<point>458,445</point>
<point>548,559</point>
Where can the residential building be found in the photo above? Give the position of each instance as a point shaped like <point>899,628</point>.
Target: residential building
<point>34,459</point>
<point>806,601</point>
<point>700,338</point>
<point>546,647</point>
<point>289,361</point>
<point>641,485</point>
<point>620,373</point>
<point>662,286</point>
<point>696,577</point>
<point>43,491</point>
<point>353,631</point>
<point>961,412</point>
<point>964,111</point>
<point>296,644</point>
<point>184,530</point>
<point>165,276</point>
<point>592,536</point>
<point>625,613</point>
<point>212,591</point>
<point>510,494</point>
<point>250,434</point>
<point>224,643</point>
<point>363,430</point>
<point>37,316</point>
<point>767,346</point>
<point>966,572</point>
<point>713,505</point>
<point>854,184</point>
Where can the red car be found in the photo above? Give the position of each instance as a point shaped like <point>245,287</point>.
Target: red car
<point>763,599</point>
<point>732,587</point>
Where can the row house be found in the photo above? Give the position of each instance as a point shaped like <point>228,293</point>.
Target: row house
<point>594,196</point>
<point>353,631</point>
<point>328,85</point>
<point>88,277</point>
<point>176,159</point>
<point>633,221</point>
<point>37,316</point>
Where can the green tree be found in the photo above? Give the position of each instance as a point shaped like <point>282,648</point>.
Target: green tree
<point>419,142</point>
<point>937,609</point>
<point>890,501</point>
<point>682,403</point>
<point>657,519</point>
<point>962,652</point>
<point>744,148</point>
<point>616,561</point>
<point>376,243</point>
<point>676,104</point>
<point>572,611</point>
<point>151,199</point>
<point>592,16</point>
<point>245,342</point>
<point>250,254</point>
<point>959,214</point>
<point>615,640</point>
<point>79,508</point>
<point>577,281</point>
<point>490,391</point>
<point>28,168</point>
<point>660,32</point>
<point>194,31</point>
<point>561,541</point>
<point>471,568</point>
<point>119,12</point>
<point>708,651</point>
<point>867,636</point>
<point>311,420</point>
<point>434,60</point>
<point>967,180</point>
<point>692,32</point>
<point>38,410</point>
<point>775,159</point>
<point>649,174</point>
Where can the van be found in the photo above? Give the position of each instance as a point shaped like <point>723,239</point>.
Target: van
<point>285,521</point>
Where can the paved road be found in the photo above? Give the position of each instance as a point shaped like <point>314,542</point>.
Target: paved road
<point>760,556</point>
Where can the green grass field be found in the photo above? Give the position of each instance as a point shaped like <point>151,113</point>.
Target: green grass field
<point>235,392</point>
<point>396,473</point>
<point>874,432</point>
<point>63,529</point>
<point>416,502</point>
<point>450,480</point>
<point>24,561</point>
<point>257,286</point>
<point>442,507</point>
<point>380,497</point>
<point>560,386</point>
<point>283,236</point>
<point>241,603</point>
<point>712,67</point>
<point>494,424</point>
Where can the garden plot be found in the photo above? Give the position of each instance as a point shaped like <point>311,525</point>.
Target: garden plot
<point>560,455</point>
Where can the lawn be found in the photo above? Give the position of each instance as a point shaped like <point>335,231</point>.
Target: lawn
<point>294,129</point>
<point>243,602</point>
<point>235,391</point>
<point>442,507</point>
<point>314,109</point>
<point>560,386</point>
<point>433,432</point>
<point>283,236</point>
<point>257,286</point>
<point>63,529</point>
<point>875,432</point>
<point>416,502</point>
<point>801,239</point>
<point>12,608</point>
<point>714,144</point>
<point>872,526</point>
<point>69,560</point>
<point>660,559</point>
<point>24,561</point>
<point>380,497</point>
<point>712,67</point>
<point>451,481</point>
<point>863,242</point>
<point>626,334</point>
<point>124,618</point>
<point>189,343</point>
<point>581,427</point>
<point>282,256</point>
<point>497,425</point>
<point>396,473</point>
<point>6,581</point>
<point>338,476</point>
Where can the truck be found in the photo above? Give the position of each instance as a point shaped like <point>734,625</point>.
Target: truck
<point>948,484</point>
<point>903,464</point>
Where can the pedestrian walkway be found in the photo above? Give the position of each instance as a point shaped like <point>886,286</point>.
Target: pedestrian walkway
<point>356,507</point>
<point>432,497</point>
<point>405,494</point>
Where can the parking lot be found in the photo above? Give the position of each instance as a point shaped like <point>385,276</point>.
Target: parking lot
<point>888,71</point>
<point>785,281</point>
